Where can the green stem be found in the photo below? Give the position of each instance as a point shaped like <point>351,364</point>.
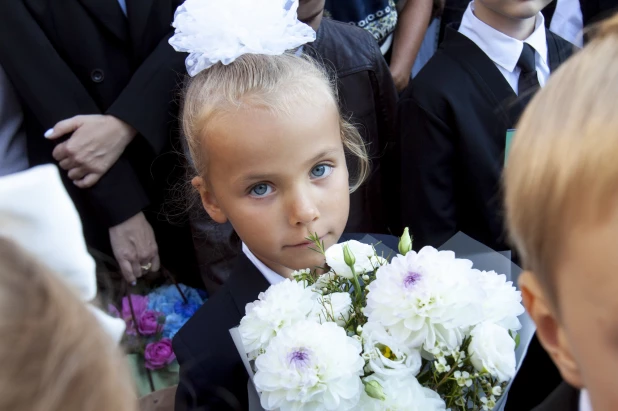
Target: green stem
<point>357,288</point>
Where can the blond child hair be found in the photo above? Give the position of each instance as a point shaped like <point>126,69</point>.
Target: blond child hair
<point>54,356</point>
<point>272,82</point>
<point>562,170</point>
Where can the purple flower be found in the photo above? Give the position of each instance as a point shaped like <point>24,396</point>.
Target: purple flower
<point>159,354</point>
<point>140,304</point>
<point>148,322</point>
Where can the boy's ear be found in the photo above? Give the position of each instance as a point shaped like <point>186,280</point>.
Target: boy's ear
<point>549,330</point>
<point>208,200</point>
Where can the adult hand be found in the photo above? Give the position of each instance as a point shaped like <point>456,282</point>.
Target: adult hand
<point>96,144</point>
<point>135,247</point>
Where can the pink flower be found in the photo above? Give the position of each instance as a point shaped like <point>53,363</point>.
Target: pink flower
<point>148,322</point>
<point>140,304</point>
<point>159,354</point>
<point>113,311</point>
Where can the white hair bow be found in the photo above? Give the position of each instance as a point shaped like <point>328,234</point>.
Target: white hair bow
<point>37,213</point>
<point>215,31</point>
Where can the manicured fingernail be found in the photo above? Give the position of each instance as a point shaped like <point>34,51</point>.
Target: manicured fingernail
<point>134,283</point>
<point>49,133</point>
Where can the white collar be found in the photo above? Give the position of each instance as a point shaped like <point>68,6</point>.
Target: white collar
<point>271,276</point>
<point>500,48</point>
<point>584,401</point>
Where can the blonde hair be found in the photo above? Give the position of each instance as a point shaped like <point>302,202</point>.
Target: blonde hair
<point>563,167</point>
<point>53,354</point>
<point>274,83</point>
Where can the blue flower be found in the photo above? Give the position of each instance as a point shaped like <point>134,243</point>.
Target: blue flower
<point>160,303</point>
<point>173,323</point>
<point>185,310</point>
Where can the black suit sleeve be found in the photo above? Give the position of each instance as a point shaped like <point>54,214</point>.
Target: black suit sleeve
<point>385,95</point>
<point>145,101</point>
<point>428,188</point>
<point>51,92</point>
<point>212,374</point>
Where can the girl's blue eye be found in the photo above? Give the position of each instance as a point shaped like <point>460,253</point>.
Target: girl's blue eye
<point>321,171</point>
<point>261,190</point>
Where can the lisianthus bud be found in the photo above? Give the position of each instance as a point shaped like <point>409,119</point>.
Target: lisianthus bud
<point>405,242</point>
<point>375,390</point>
<point>348,256</point>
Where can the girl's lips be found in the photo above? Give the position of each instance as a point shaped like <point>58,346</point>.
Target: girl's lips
<point>304,244</point>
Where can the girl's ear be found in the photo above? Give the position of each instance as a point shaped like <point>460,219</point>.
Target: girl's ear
<point>208,200</point>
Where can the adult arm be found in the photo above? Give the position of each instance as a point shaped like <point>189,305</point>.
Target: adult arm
<point>412,24</point>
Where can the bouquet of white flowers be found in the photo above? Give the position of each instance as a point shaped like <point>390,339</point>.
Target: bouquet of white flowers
<point>424,331</point>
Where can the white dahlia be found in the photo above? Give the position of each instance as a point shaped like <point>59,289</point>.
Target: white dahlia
<point>364,254</point>
<point>310,366</point>
<point>402,394</point>
<point>281,305</point>
<point>502,304</point>
<point>426,298</point>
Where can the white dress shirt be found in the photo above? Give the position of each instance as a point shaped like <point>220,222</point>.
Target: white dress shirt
<point>123,6</point>
<point>568,22</point>
<point>503,50</point>
<point>271,276</point>
<point>584,401</point>
<point>13,150</point>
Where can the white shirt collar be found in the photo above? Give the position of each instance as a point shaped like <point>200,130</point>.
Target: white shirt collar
<point>500,48</point>
<point>584,401</point>
<point>271,276</point>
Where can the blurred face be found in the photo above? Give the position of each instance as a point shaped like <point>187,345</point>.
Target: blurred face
<point>583,339</point>
<point>513,9</point>
<point>310,12</point>
<point>278,178</point>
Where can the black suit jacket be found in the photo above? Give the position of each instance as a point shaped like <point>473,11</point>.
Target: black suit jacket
<point>453,120</point>
<point>564,398</point>
<point>70,57</point>
<point>212,375</point>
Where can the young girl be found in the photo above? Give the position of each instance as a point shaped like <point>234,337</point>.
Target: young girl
<point>270,148</point>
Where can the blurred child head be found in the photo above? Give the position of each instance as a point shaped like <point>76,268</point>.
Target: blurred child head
<point>54,354</point>
<point>310,12</point>
<point>269,146</point>
<point>562,211</point>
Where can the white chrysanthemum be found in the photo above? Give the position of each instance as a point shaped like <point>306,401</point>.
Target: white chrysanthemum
<point>310,366</point>
<point>281,305</point>
<point>386,356</point>
<point>426,298</point>
<point>333,307</point>
<point>215,31</point>
<point>364,254</point>
<point>402,394</point>
<point>502,304</point>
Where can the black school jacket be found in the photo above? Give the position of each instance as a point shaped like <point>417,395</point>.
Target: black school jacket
<point>71,57</point>
<point>453,120</point>
<point>564,398</point>
<point>212,375</point>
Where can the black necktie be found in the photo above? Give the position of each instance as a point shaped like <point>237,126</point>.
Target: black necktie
<point>528,79</point>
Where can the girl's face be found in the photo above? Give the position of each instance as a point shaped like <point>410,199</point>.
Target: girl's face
<point>278,178</point>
